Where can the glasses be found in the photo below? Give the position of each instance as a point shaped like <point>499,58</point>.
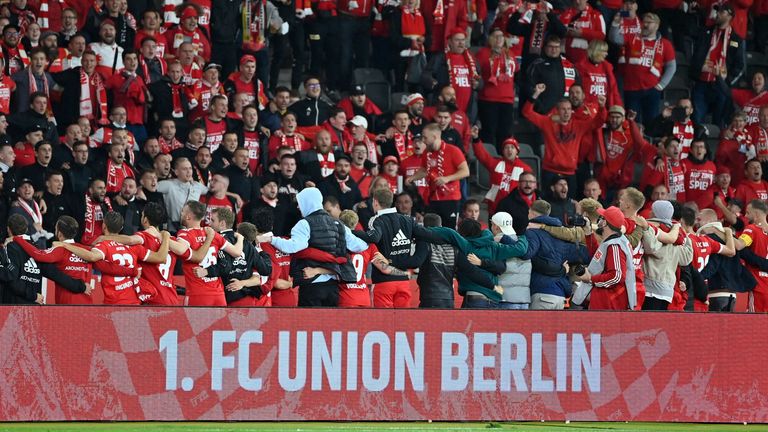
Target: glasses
<point>11,33</point>
<point>528,181</point>
<point>314,85</point>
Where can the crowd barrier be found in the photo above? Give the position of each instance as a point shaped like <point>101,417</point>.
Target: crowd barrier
<point>142,363</point>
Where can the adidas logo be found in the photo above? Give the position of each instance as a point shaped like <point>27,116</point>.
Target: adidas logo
<point>400,239</point>
<point>31,267</point>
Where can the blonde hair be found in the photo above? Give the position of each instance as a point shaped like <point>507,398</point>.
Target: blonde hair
<point>595,47</point>
<point>349,218</point>
<point>652,16</point>
<point>589,208</point>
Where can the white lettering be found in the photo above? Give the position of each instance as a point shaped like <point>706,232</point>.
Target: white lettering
<point>480,362</point>
<point>590,363</point>
<point>326,362</point>
<point>243,360</point>
<point>284,363</point>
<point>412,360</point>
<point>538,383</point>
<point>219,361</point>
<point>454,362</point>
<point>512,367</point>
<point>370,382</point>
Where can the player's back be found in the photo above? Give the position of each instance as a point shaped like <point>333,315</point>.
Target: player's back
<point>206,287</point>
<point>157,278</point>
<point>121,290</point>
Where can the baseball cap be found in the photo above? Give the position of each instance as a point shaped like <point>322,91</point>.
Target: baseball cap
<point>357,91</point>
<point>360,121</point>
<point>211,65</point>
<point>389,159</point>
<point>504,221</point>
<point>456,31</point>
<point>343,157</point>
<point>26,180</point>
<point>617,109</point>
<point>189,12</point>
<point>247,58</point>
<point>613,216</point>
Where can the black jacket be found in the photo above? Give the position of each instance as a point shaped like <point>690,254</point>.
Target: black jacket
<point>22,276</point>
<point>162,107</point>
<point>247,187</point>
<point>515,27</point>
<point>225,21</point>
<point>735,57</point>
<point>311,112</point>
<point>330,187</point>
<point>549,71</point>
<point>241,268</point>
<point>68,110</point>
<point>517,208</point>
<point>442,264</point>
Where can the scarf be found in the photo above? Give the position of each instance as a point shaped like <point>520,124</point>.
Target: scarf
<point>166,147</point>
<point>32,210</point>
<point>145,68</point>
<point>86,104</point>
<point>296,142</point>
<point>538,31</point>
<point>371,146</point>
<point>497,61</point>
<point>714,41</point>
<point>412,23</point>
<point>597,265</point>
<point>116,175</point>
<point>26,17</point>
<point>33,82</point>
<point>327,163</point>
<point>14,52</point>
<point>640,55</point>
<point>569,74</point>
<point>94,213</point>
<point>178,109</point>
<point>436,160</point>
<point>402,145</point>
<point>343,185</point>
<point>254,29</point>
<point>42,19</point>
<point>453,79</point>
<point>439,13</point>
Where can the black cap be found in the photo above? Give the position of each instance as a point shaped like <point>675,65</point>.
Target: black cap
<point>357,91</point>
<point>36,127</point>
<point>343,157</point>
<point>26,180</point>
<point>725,7</point>
<point>269,178</point>
<point>212,65</point>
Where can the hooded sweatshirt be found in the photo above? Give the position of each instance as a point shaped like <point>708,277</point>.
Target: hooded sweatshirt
<point>310,201</point>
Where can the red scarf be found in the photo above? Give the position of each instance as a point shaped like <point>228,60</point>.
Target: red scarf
<point>538,30</point>
<point>44,15</point>
<point>254,29</point>
<point>501,61</point>
<point>178,109</point>
<point>469,60</point>
<point>94,216</point>
<point>26,17</point>
<point>86,103</point>
<point>412,23</point>
<point>327,163</point>
<point>116,175</point>
<point>569,72</point>
<point>33,88</point>
<point>297,143</point>
<point>32,210</point>
<point>145,68</point>
<point>166,147</point>
<point>712,54</point>
<point>403,144</point>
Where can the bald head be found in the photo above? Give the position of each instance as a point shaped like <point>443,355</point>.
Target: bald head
<point>707,216</point>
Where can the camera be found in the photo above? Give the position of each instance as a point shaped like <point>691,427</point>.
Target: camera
<point>578,221</point>
<point>579,269</point>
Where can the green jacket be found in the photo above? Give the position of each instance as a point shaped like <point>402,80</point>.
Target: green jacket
<point>486,249</point>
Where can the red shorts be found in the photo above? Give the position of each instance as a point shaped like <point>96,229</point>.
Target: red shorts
<point>246,301</point>
<point>355,297</point>
<point>391,294</point>
<point>285,298</point>
<point>758,299</point>
<point>164,297</point>
<point>206,300</point>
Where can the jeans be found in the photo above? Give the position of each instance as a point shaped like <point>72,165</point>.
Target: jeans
<point>514,306</point>
<point>646,103</point>
<point>722,304</point>
<point>709,98</point>
<point>478,302</point>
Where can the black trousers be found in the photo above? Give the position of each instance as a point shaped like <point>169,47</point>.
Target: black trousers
<point>496,119</point>
<point>322,34</point>
<point>436,303</point>
<point>227,56</point>
<point>296,39</point>
<point>447,210</point>
<point>654,304</point>
<point>722,304</point>
<point>321,294</point>
<point>354,46</point>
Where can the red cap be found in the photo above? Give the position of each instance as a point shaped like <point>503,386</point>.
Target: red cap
<point>613,216</point>
<point>389,159</point>
<point>511,141</point>
<point>457,31</point>
<point>189,12</point>
<point>109,21</point>
<point>723,170</point>
<point>247,58</point>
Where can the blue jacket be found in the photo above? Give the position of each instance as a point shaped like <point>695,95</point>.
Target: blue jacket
<point>547,255</point>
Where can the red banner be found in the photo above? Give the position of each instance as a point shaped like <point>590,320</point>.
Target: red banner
<point>101,363</point>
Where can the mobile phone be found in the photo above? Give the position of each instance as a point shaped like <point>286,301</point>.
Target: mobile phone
<point>624,14</point>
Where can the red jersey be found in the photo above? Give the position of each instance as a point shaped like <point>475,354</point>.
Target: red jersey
<point>202,92</point>
<point>281,269</point>
<point>619,149</point>
<point>408,168</point>
<point>637,260</point>
<point>592,26</point>
<point>252,144</point>
<point>357,294</point>
<point>443,162</point>
<point>749,190</point>
<point>461,70</point>
<point>121,290</point>
<point>698,179</point>
<point>207,286</point>
<point>703,247</point>
<point>756,239</point>
<point>643,61</point>
<point>158,278</point>
<point>363,178</point>
<point>599,80</point>
<point>505,174</point>
<point>673,177</point>
<point>130,93</point>
<point>214,133</point>
<point>7,86</point>
<point>749,102</point>
<point>253,88</point>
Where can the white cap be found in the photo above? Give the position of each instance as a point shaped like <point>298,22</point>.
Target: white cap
<point>359,120</point>
<point>504,221</point>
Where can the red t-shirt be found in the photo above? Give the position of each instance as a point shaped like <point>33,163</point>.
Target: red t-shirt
<point>158,277</point>
<point>207,286</point>
<point>212,203</point>
<point>644,62</point>
<point>251,143</point>
<point>749,190</point>
<point>121,290</point>
<point>443,162</point>
<point>759,245</point>
<point>749,102</point>
<point>25,156</point>
<point>214,133</point>
<point>698,179</point>
<point>357,294</point>
<point>703,247</point>
<point>281,269</point>
<point>461,78</point>
<point>7,86</point>
<point>598,80</point>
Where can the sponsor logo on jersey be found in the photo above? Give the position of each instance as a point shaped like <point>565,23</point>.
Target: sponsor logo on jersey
<point>31,267</point>
<point>400,239</point>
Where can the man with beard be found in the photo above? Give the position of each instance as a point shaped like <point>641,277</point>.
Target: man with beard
<point>63,154</point>
<point>14,54</point>
<point>678,123</point>
<point>563,207</point>
<point>459,119</point>
<point>400,140</point>
<point>414,104</point>
<point>116,169</point>
<point>341,185</point>
<point>146,159</point>
<point>129,206</point>
<point>319,162</point>
<point>217,197</point>
<point>162,166</point>
<point>449,134</point>
<point>271,116</point>
<point>252,139</point>
<point>37,171</point>
<point>50,43</point>
<point>202,171</point>
<point>93,206</point>
<point>167,139</point>
<point>80,173</point>
<point>169,98</point>
<point>755,237</point>
<point>108,52</point>
<point>311,111</point>
<point>519,201</point>
<point>620,142</point>
<point>124,32</point>
<point>27,206</point>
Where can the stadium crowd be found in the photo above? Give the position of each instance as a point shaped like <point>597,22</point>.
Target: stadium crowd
<point>623,145</point>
